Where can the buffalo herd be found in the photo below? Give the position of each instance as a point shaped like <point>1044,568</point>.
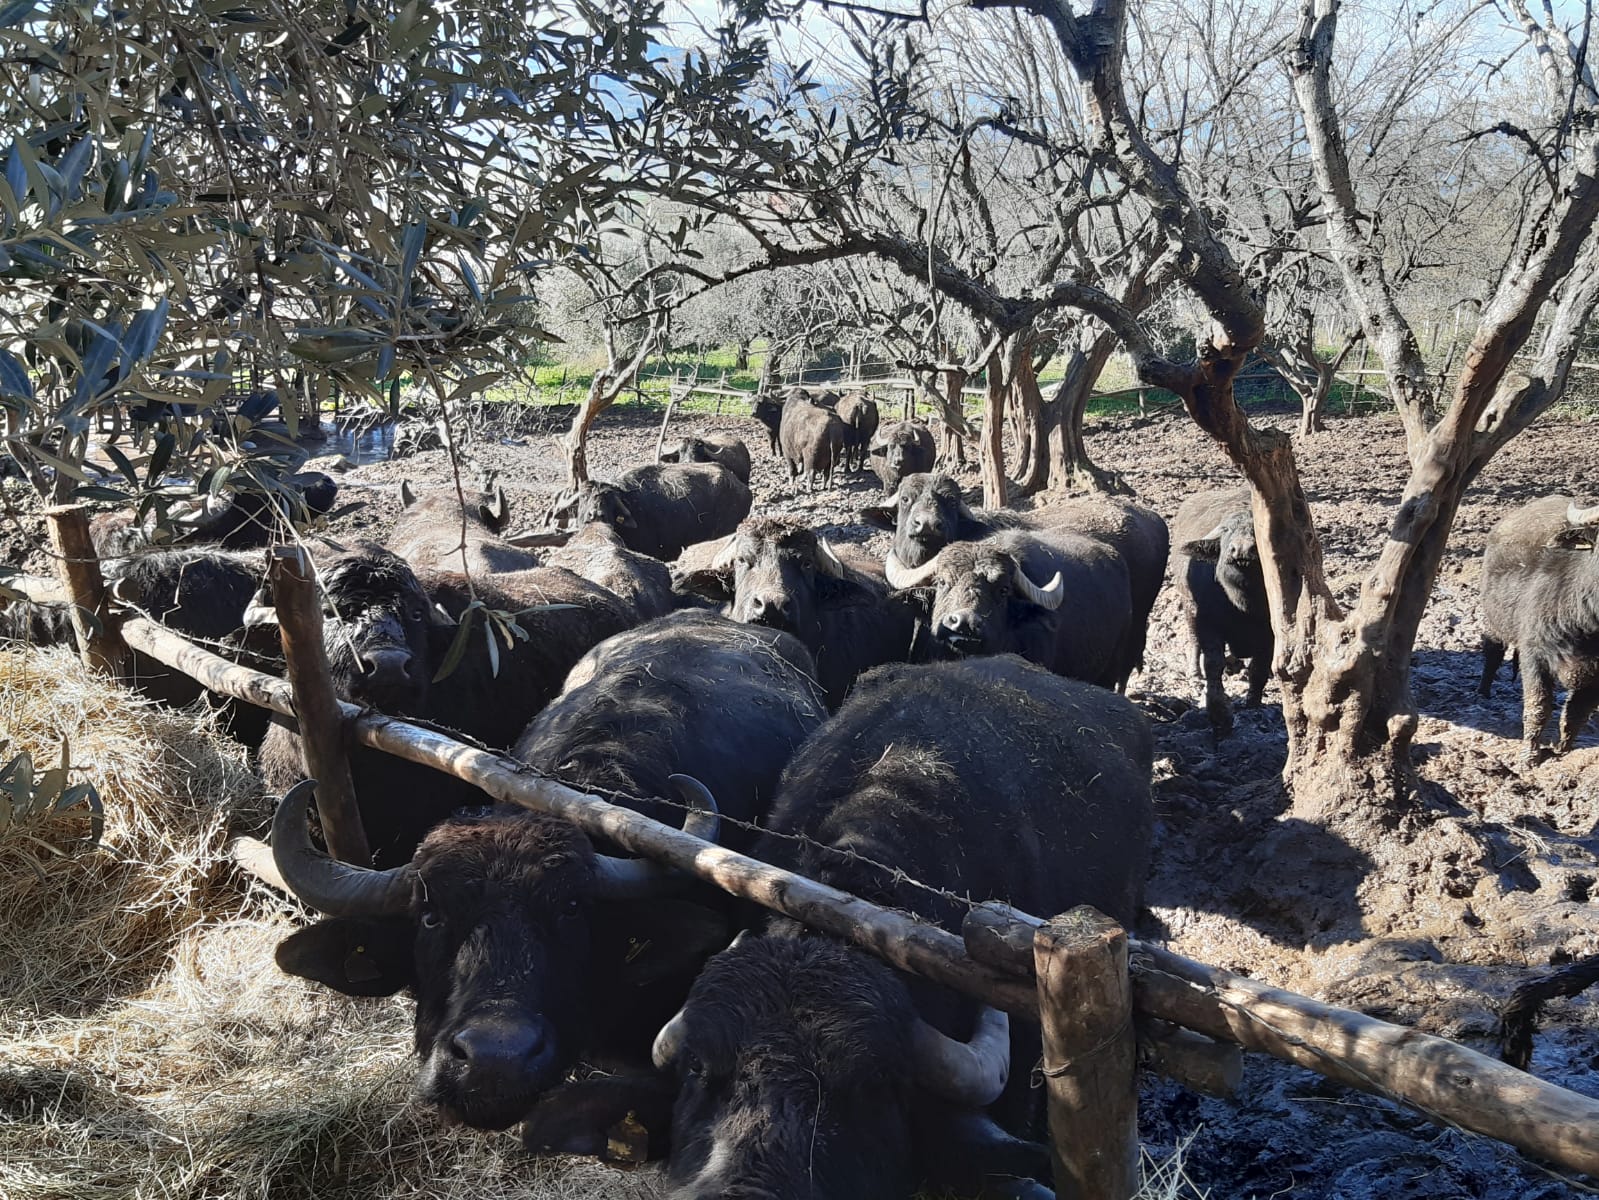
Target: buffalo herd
<point>940,725</point>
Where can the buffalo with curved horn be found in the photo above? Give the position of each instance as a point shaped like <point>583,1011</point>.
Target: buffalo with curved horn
<point>526,949</point>
<point>985,598</point>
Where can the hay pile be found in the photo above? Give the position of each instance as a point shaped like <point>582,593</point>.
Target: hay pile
<point>148,1045</point>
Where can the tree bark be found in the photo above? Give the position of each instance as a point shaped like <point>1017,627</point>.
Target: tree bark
<point>1071,470</point>
<point>996,489</point>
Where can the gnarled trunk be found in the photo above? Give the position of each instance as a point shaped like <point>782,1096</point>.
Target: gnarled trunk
<point>1070,468</point>
<point>996,489</point>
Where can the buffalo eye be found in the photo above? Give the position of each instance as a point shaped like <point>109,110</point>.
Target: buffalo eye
<point>431,919</point>
<point>693,1065</point>
<point>572,907</point>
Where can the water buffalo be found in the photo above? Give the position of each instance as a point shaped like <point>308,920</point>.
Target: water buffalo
<point>928,514</point>
<point>388,633</point>
<point>768,410</point>
<point>722,448</point>
<point>859,413</point>
<point>1223,591</point>
<point>811,440</point>
<point>524,948</point>
<point>781,575</point>
<point>1060,600</point>
<point>243,520</point>
<point>1540,594</point>
<point>434,527</point>
<point>901,449</point>
<point>598,554</point>
<point>661,508</point>
<point>806,1068</point>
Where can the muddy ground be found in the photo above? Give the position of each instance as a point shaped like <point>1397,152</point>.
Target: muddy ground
<point>1489,881</point>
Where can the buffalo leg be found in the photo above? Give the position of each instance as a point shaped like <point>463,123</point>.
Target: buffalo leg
<point>1259,673</point>
<point>1581,700</point>
<point>1537,702</point>
<point>1493,656</point>
<point>1213,655</point>
<point>577,1117</point>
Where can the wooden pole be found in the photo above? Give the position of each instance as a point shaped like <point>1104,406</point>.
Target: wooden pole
<point>1085,1004</point>
<point>316,705</point>
<point>666,417</point>
<point>78,567</point>
<point>1446,1081</point>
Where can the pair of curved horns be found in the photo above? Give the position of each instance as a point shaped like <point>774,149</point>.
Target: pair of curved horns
<point>970,1074</point>
<point>346,890</point>
<point>903,578</point>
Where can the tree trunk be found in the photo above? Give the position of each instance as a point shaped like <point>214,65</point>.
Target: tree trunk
<point>996,490</point>
<point>1027,402</point>
<point>741,359</point>
<point>1070,468</point>
<point>574,446</point>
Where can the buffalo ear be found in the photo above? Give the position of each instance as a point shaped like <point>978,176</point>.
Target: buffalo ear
<point>1207,549</point>
<point>624,516</point>
<point>877,449</point>
<point>882,516</point>
<point>657,939</point>
<point>1569,538</point>
<point>350,955</point>
<point>407,496</point>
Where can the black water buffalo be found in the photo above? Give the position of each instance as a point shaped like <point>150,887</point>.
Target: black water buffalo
<point>388,632</point>
<point>811,440</point>
<point>859,413</point>
<point>1223,590</point>
<point>243,520</point>
<point>434,526</point>
<point>691,693</point>
<point>1540,594</point>
<point>1060,600</point>
<point>598,554</point>
<point>200,593</point>
<point>499,1029</point>
<point>768,410</point>
<point>661,508</point>
<point>781,575</point>
<point>901,449</point>
<point>525,949</point>
<point>723,448</point>
<point>806,1068</point>
<point>928,514</point>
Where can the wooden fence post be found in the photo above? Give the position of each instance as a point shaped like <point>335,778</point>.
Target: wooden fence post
<point>78,567</point>
<point>316,705</point>
<point>1085,1004</point>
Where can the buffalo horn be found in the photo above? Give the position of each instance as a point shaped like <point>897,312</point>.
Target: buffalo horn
<point>971,1074</point>
<point>407,496</point>
<point>498,506</point>
<point>1582,516</point>
<point>1049,596</point>
<point>260,610</point>
<point>901,577</point>
<point>725,556</point>
<point>327,885</point>
<point>827,560</point>
<point>669,1041</point>
<point>639,878</point>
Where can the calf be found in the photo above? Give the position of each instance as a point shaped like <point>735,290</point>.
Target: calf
<point>721,448</point>
<point>1223,589</point>
<point>781,575</point>
<point>388,634</point>
<point>661,508</point>
<point>901,449</point>
<point>1061,601</point>
<point>768,410</point>
<point>437,531</point>
<point>859,413</point>
<point>811,440</point>
<point>807,1068</point>
<point>1540,594</point>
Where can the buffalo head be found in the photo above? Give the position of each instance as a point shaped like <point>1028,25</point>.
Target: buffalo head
<point>975,586</point>
<point>509,930</point>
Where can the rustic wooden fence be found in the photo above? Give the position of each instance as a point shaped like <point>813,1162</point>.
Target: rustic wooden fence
<point>1106,1002</point>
